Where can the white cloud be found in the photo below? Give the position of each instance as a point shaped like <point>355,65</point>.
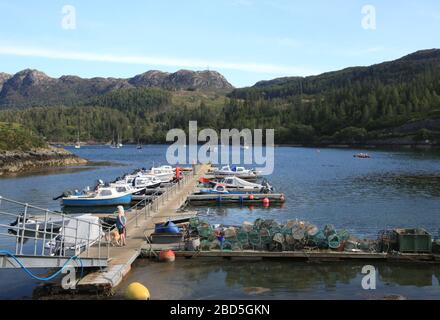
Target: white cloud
<point>153,61</point>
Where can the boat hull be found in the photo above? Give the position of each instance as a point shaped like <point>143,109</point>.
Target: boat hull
<point>91,202</point>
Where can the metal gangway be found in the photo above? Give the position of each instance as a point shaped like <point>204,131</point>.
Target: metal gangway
<point>33,237</point>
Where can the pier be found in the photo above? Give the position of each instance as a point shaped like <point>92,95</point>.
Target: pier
<point>141,220</point>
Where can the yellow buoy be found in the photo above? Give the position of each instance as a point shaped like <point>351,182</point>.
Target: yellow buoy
<point>137,291</point>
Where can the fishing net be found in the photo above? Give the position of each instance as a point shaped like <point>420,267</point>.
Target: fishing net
<point>318,240</point>
<point>334,241</point>
<point>270,235</point>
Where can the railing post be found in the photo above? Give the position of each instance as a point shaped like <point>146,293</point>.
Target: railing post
<point>36,238</point>
<point>76,235</point>
<point>44,232</point>
<point>88,241</point>
<point>108,242</point>
<point>23,224</point>
<point>63,240</point>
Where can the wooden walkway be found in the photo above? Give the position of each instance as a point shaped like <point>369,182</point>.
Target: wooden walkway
<point>141,223</point>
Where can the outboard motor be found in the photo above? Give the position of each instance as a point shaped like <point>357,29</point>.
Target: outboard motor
<point>266,186</point>
<point>63,195</point>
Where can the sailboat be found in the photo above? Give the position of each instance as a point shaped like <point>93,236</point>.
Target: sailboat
<point>139,146</point>
<point>78,143</point>
<point>119,144</point>
<point>113,145</point>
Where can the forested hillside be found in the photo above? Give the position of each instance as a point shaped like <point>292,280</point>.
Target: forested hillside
<point>392,101</point>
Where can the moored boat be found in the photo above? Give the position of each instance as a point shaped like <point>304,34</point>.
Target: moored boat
<point>236,171</point>
<point>103,196</point>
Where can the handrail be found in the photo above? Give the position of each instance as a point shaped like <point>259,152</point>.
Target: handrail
<point>45,232</point>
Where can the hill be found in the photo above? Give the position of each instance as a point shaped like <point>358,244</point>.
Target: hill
<point>30,88</point>
<point>395,102</point>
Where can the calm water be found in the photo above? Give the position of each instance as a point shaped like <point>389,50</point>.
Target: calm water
<point>393,189</point>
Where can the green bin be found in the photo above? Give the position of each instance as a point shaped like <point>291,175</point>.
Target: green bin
<point>414,240</point>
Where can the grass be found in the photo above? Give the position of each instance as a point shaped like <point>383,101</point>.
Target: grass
<point>193,99</point>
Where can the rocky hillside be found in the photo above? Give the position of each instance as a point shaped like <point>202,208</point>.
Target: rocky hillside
<point>30,88</point>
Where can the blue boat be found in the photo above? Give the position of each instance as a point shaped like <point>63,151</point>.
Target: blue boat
<point>168,227</point>
<point>104,196</point>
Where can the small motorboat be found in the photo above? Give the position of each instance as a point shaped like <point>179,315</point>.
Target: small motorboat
<point>140,180</point>
<point>362,155</point>
<point>234,183</point>
<point>39,223</point>
<point>235,171</point>
<point>220,188</point>
<point>77,235</point>
<point>163,173</point>
<point>102,196</point>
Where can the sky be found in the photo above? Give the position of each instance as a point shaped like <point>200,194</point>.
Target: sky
<point>246,40</point>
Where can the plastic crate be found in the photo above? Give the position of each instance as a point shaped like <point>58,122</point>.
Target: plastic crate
<point>414,240</point>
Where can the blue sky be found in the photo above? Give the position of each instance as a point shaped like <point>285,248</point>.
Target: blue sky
<point>246,40</point>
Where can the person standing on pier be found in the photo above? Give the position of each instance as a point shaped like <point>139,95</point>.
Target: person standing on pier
<point>121,222</point>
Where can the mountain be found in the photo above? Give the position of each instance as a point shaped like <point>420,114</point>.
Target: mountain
<point>30,88</point>
<point>396,72</point>
<point>3,78</point>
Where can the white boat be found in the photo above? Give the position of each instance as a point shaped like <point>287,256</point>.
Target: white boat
<point>235,171</point>
<point>75,237</point>
<point>39,223</point>
<point>140,181</point>
<point>236,183</point>
<point>163,173</point>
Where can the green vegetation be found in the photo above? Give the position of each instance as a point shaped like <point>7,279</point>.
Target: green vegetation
<point>14,137</point>
<point>356,105</point>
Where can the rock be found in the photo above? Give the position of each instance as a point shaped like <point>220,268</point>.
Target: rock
<point>12,162</point>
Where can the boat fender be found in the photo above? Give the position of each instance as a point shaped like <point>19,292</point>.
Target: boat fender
<point>251,197</point>
<point>266,202</point>
<point>137,291</point>
<point>167,256</point>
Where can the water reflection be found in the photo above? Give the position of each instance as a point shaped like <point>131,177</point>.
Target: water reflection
<point>205,279</point>
<point>423,183</point>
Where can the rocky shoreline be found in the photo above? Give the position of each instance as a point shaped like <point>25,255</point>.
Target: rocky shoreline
<point>14,162</point>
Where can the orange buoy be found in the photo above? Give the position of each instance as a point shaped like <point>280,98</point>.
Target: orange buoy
<point>251,197</point>
<point>266,202</point>
<point>167,256</point>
